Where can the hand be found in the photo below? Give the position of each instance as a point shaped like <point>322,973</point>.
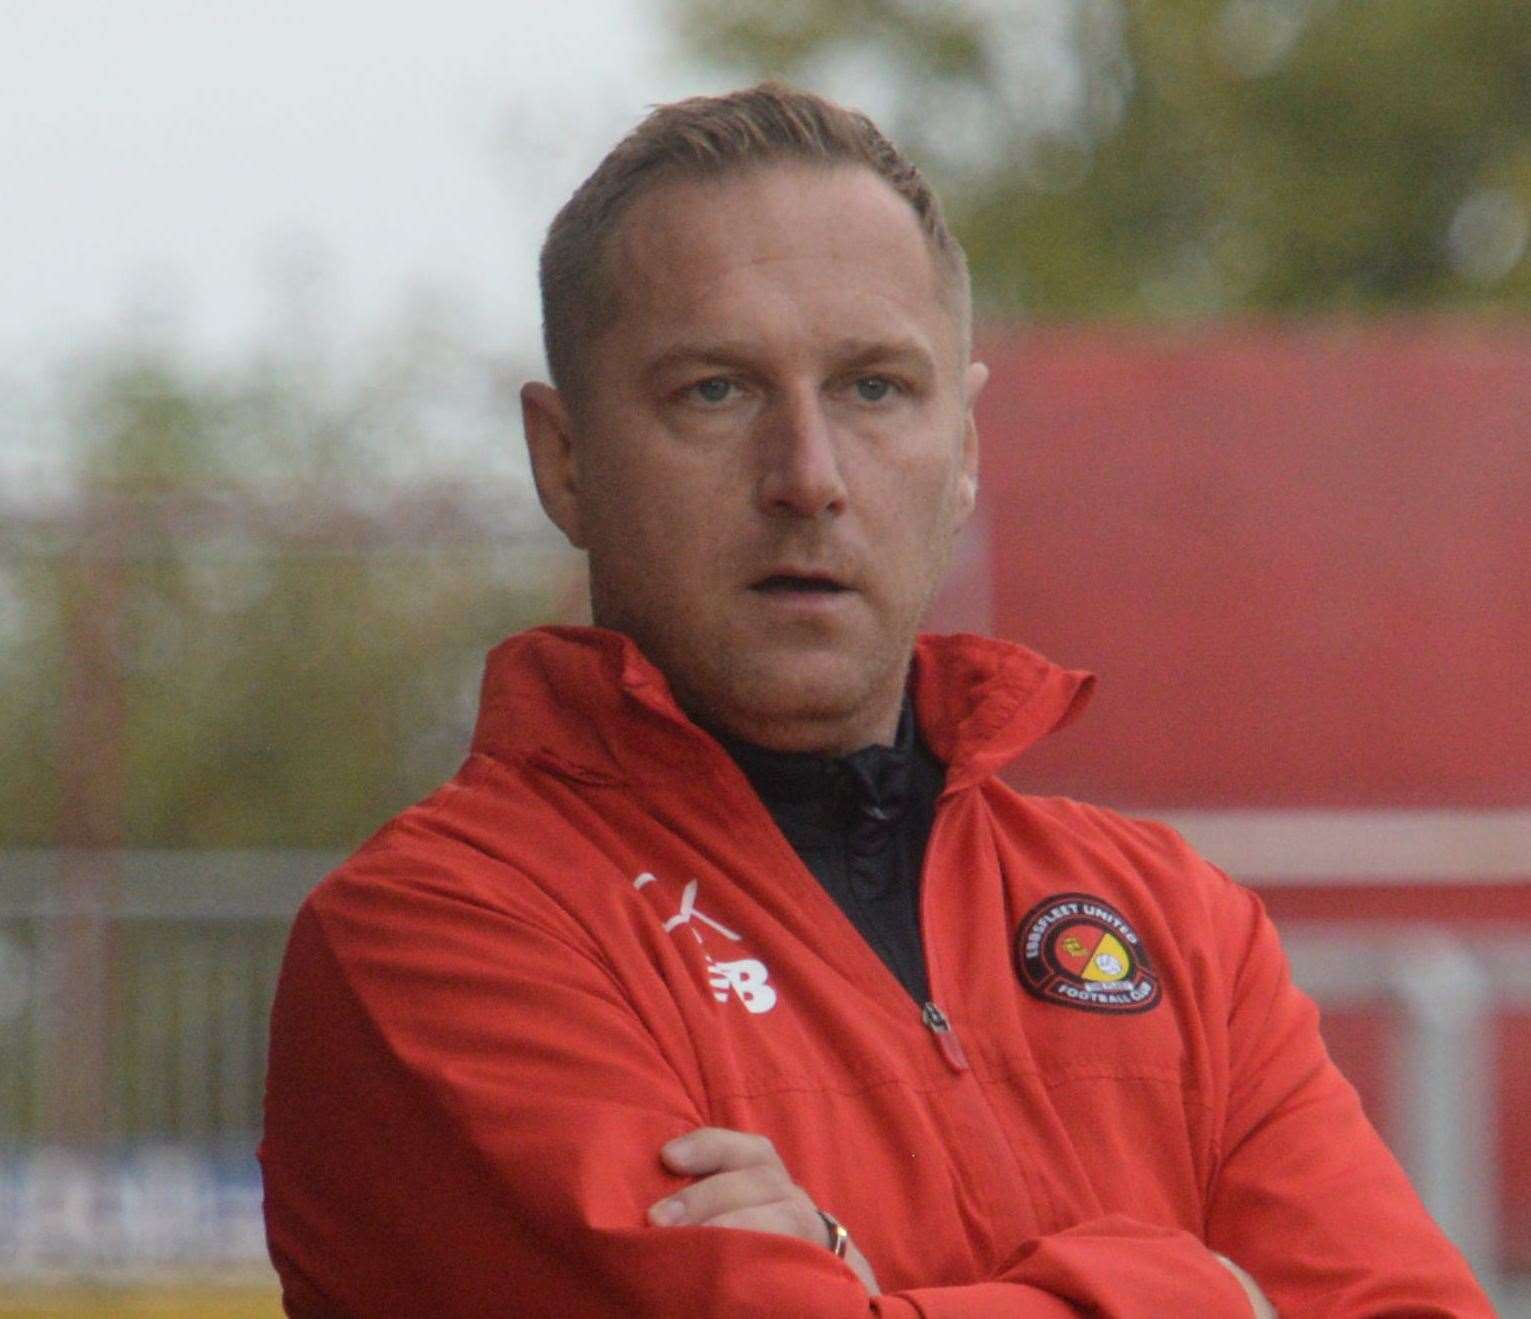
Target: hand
<point>743,1183</point>
<point>1262,1308</point>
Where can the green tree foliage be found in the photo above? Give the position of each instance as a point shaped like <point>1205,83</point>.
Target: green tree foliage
<point>1163,158</point>
<point>250,614</point>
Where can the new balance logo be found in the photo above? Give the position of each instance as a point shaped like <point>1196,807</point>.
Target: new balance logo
<point>745,978</point>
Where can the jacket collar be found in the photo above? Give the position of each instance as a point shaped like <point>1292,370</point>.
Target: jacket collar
<point>586,704</point>
<point>876,777</point>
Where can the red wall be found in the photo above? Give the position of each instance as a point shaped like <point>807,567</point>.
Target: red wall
<point>1297,558</point>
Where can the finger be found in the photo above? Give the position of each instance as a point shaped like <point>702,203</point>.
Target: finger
<point>717,1149</point>
<point>780,1220</point>
<point>786,1218</point>
<point>724,1192</point>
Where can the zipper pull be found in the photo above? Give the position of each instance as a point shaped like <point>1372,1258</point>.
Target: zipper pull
<point>941,1028</point>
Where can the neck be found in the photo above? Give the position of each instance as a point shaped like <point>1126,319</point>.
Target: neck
<point>803,735</point>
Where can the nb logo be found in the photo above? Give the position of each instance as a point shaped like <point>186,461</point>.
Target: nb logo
<point>744,978</point>
<point>747,979</point>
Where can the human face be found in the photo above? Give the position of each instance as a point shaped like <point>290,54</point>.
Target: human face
<point>774,452</point>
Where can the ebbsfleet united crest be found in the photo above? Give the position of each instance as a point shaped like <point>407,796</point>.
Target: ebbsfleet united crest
<point>1079,951</point>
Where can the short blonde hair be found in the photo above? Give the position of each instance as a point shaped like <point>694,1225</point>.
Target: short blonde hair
<point>709,137</point>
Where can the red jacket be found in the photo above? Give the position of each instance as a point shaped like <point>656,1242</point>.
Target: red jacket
<point>594,938</point>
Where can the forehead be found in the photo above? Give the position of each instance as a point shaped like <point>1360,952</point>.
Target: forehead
<point>799,243</point>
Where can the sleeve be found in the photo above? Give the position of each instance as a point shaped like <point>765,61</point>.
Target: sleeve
<point>1306,1196</point>
<point>463,1118</point>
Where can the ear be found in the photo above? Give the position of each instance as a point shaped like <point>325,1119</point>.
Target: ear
<point>973,381</point>
<point>555,465</point>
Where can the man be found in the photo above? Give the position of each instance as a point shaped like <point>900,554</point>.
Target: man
<point>725,978</point>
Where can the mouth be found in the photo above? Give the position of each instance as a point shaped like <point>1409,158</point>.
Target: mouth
<point>803,584</point>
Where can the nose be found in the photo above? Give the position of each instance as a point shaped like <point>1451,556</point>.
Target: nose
<point>800,462</point>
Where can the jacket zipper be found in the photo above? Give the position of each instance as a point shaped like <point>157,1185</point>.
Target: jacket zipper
<point>946,1037</point>
<point>935,1020</point>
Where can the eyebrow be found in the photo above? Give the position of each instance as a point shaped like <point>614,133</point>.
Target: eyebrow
<point>742,354</point>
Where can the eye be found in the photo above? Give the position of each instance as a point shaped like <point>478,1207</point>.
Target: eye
<point>715,389</point>
<point>873,389</point>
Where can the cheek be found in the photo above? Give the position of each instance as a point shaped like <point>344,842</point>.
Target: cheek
<point>660,532</point>
<point>926,500</point>
<point>933,527</point>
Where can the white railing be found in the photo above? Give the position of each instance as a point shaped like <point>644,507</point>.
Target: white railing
<point>1443,1070</point>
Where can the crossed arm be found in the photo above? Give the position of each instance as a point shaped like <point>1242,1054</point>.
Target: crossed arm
<point>464,1110</point>
<point>742,1183</point>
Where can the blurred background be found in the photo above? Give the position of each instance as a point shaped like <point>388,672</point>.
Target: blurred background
<point>1253,278</point>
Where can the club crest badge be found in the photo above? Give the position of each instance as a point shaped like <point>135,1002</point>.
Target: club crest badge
<point>1081,952</point>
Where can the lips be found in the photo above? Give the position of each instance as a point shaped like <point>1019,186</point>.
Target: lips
<point>789,583</point>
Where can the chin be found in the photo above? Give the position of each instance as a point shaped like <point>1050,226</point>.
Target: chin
<point>808,703</point>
